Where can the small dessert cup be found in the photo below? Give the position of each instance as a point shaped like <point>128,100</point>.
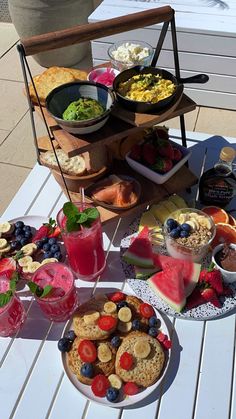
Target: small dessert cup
<point>228,276</point>
<point>196,248</point>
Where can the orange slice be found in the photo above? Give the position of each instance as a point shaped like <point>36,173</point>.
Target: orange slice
<point>225,233</point>
<point>218,214</point>
<point>232,220</point>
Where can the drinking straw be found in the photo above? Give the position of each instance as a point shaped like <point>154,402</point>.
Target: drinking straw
<point>82,200</point>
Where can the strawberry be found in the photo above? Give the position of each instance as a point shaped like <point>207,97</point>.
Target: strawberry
<point>212,277</point>
<point>116,296</point>
<point>161,337</point>
<point>149,153</point>
<point>162,133</point>
<point>146,310</point>
<point>130,389</point>
<point>126,361</point>
<point>165,149</point>
<point>136,152</point>
<point>177,154</point>
<point>40,233</point>
<point>56,232</point>
<point>195,299</point>
<point>167,344</point>
<point>99,385</point>
<point>210,296</point>
<point>106,322</point>
<point>7,267</point>
<point>46,230</point>
<point>162,165</point>
<point>87,351</point>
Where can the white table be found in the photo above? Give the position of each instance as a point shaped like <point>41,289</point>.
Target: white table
<point>201,380</point>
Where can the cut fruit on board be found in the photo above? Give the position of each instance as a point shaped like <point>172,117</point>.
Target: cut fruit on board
<point>139,252</point>
<point>159,212</point>
<point>225,233</point>
<point>218,214</point>
<point>169,205</point>
<point>169,285</point>
<point>178,201</point>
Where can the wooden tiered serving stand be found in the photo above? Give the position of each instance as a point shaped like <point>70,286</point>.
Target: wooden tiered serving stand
<point>122,123</point>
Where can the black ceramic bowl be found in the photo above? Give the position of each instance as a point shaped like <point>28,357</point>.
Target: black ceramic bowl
<point>60,97</point>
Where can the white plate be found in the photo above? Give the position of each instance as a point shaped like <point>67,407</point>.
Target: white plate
<point>32,220</point>
<point>86,391</point>
<point>154,176</point>
<point>203,312</point>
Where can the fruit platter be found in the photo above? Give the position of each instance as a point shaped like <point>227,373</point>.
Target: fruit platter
<point>115,349</point>
<point>169,263</point>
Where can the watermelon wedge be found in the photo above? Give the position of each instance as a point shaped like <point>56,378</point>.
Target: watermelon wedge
<point>144,273</point>
<point>139,252</point>
<point>190,270</point>
<point>169,285</point>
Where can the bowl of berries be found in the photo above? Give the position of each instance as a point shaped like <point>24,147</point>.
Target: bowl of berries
<point>157,157</point>
<point>188,234</point>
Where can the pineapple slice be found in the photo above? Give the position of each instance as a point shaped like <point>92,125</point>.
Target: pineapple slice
<point>147,219</point>
<point>178,201</point>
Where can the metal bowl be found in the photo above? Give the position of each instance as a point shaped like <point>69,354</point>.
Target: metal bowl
<point>59,99</point>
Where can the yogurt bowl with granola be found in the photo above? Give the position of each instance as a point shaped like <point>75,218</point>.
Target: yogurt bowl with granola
<point>188,234</point>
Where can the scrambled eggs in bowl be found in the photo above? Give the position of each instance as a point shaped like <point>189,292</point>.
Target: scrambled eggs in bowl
<point>146,88</point>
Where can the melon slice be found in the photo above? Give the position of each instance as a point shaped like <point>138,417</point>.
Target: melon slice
<point>147,219</point>
<point>139,252</point>
<point>190,270</point>
<point>169,285</point>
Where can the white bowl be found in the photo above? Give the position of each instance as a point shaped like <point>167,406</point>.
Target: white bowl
<point>158,177</point>
<point>228,276</point>
<point>98,71</point>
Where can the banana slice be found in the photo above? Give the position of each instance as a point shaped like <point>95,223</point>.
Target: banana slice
<point>6,249</point>
<point>110,307</point>
<point>142,348</point>
<point>31,267</point>
<point>204,222</point>
<point>29,249</point>
<point>5,227</point>
<point>25,261</point>
<point>124,327</point>
<point>91,317</point>
<point>182,218</point>
<point>49,260</point>
<point>195,221</point>
<point>3,243</point>
<point>125,314</point>
<point>104,353</point>
<point>115,381</point>
<point>192,224</point>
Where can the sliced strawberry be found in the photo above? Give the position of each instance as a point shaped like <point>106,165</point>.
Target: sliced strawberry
<point>126,361</point>
<point>146,310</point>
<point>99,385</point>
<point>210,296</point>
<point>195,299</point>
<point>7,267</point>
<point>40,233</point>
<point>55,233</point>
<point>167,343</point>
<point>116,296</point>
<point>106,322</point>
<point>87,351</point>
<point>130,389</point>
<point>161,337</point>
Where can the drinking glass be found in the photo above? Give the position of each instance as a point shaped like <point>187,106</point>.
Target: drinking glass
<point>12,315</point>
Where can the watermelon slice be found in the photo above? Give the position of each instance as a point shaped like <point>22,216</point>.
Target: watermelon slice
<point>190,270</point>
<point>144,273</point>
<point>169,285</point>
<point>139,252</point>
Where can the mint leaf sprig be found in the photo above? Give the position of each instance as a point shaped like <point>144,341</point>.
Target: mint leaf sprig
<point>5,297</point>
<point>76,219</point>
<point>39,291</point>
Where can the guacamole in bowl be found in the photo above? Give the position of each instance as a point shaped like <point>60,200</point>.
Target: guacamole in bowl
<point>82,109</point>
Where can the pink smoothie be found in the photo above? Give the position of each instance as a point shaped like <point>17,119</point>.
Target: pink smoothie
<point>12,315</point>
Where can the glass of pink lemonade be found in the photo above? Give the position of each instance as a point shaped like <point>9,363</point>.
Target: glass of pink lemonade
<point>62,300</point>
<point>12,315</point>
<point>84,247</point>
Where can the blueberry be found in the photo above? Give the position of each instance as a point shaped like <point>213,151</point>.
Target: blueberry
<point>186,227</point>
<point>64,344</point>
<point>24,241</point>
<point>136,324</point>
<point>18,231</point>
<point>54,248</point>
<point>26,228</point>
<point>19,237</point>
<point>171,224</point>
<point>122,304</point>
<point>52,240</point>
<point>19,224</point>
<point>39,244</point>
<point>44,240</point>
<point>57,255</point>
<point>115,341</point>
<point>174,233</point>
<point>112,394</point>
<point>46,247</point>
<point>15,245</point>
<point>153,322</point>
<point>184,234</point>
<point>47,255</point>
<point>153,331</point>
<point>87,370</point>
<point>28,234</point>
<point>71,335</point>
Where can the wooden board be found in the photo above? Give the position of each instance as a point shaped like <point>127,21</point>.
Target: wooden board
<point>151,192</point>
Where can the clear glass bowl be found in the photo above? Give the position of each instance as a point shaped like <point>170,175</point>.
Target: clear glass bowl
<point>194,253</point>
<point>129,60</point>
